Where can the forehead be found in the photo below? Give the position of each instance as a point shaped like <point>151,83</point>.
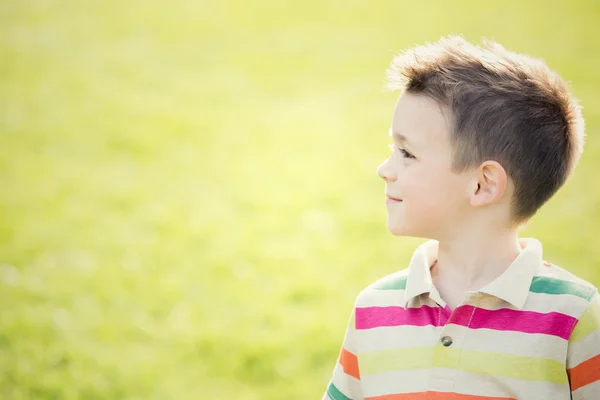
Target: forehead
<point>420,120</point>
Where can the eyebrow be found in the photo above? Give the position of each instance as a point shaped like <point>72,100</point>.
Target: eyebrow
<point>400,137</point>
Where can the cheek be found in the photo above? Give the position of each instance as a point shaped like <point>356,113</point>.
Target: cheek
<point>429,190</point>
<point>416,184</point>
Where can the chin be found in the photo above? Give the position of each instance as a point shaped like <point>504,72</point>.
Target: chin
<point>401,230</point>
<point>397,229</point>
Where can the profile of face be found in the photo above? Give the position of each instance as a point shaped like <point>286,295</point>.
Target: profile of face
<point>430,198</point>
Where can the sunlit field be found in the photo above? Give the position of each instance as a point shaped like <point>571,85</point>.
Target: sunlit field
<point>189,202</point>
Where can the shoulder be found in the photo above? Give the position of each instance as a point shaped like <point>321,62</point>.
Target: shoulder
<point>555,289</point>
<point>386,291</point>
<point>554,280</point>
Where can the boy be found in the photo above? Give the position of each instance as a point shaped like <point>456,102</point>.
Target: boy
<point>482,138</point>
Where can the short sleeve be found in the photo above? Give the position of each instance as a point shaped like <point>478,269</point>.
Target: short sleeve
<point>583,357</point>
<point>345,382</point>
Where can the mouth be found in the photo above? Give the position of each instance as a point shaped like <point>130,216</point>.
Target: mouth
<point>393,199</point>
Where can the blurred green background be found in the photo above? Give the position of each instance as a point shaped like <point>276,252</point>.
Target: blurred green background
<point>189,202</point>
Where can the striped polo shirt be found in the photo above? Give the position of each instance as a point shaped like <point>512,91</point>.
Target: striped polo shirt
<point>532,333</point>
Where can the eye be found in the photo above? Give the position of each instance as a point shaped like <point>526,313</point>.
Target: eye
<point>405,154</point>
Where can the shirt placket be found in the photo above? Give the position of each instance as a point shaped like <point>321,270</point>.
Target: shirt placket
<point>450,340</point>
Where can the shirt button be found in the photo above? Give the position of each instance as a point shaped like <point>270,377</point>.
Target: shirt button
<point>446,341</point>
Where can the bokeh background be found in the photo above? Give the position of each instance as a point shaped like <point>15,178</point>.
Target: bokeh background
<point>189,202</point>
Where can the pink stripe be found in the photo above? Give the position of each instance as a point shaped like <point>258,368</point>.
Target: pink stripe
<point>373,317</point>
<point>505,319</point>
<point>555,324</point>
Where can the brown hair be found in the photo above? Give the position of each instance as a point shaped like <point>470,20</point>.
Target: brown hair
<point>505,106</point>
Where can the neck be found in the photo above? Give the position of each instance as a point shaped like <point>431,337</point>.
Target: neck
<point>476,257</point>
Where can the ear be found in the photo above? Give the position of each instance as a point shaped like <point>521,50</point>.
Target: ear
<point>489,185</point>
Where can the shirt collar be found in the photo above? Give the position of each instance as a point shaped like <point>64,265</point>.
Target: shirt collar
<point>419,276</point>
<point>512,286</point>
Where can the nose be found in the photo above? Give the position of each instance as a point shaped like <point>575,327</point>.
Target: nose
<point>386,171</point>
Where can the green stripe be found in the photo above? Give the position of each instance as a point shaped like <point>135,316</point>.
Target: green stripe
<point>392,283</point>
<point>481,362</point>
<point>335,394</point>
<point>589,322</point>
<point>544,284</point>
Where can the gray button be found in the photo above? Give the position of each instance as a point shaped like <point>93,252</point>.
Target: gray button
<point>446,341</point>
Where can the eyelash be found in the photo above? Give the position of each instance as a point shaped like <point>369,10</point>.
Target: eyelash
<point>405,154</point>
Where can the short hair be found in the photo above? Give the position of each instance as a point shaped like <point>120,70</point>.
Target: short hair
<point>504,106</point>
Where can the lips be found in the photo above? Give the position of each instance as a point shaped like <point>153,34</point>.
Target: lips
<point>394,198</point>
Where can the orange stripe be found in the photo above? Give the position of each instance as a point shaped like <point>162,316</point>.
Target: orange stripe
<point>350,363</point>
<point>436,396</point>
<point>585,373</point>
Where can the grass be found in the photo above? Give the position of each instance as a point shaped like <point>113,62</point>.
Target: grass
<point>189,202</point>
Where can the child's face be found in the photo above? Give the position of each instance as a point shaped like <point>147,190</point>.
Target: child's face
<point>418,172</point>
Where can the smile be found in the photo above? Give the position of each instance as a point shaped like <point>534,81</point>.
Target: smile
<point>391,200</point>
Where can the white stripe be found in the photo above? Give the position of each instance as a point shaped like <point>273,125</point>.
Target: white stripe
<point>463,382</point>
<point>554,271</point>
<point>396,382</point>
<point>396,337</point>
<point>348,385</point>
<point>539,302</point>
<point>487,385</point>
<point>493,341</point>
<point>584,349</point>
<point>588,392</point>
<point>381,298</point>
<point>513,343</point>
